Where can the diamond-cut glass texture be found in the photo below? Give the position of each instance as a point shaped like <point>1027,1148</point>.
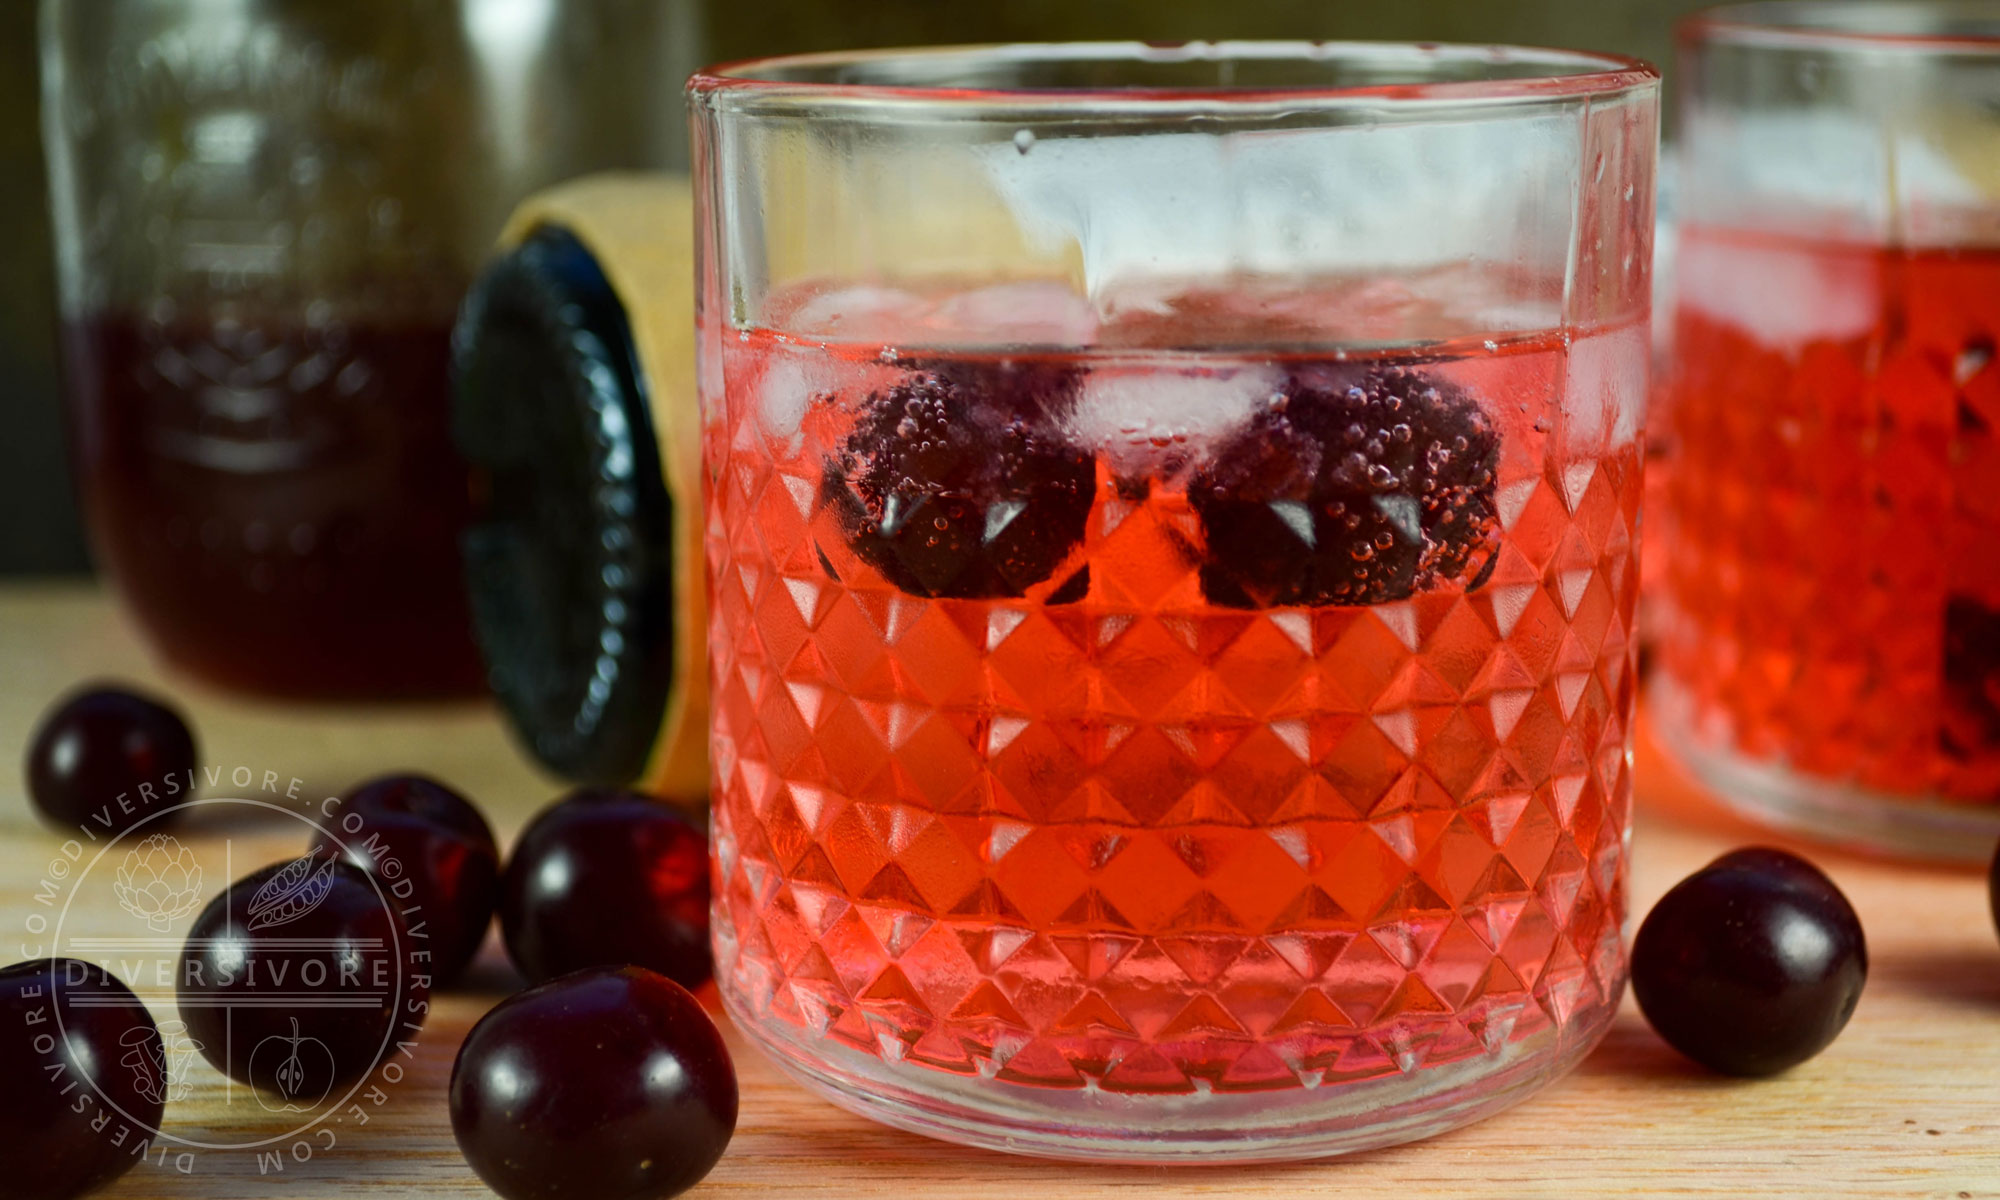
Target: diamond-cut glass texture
<point>1142,844</point>
<point>1833,517</point>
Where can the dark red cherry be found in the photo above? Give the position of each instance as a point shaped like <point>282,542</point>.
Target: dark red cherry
<point>1752,964</point>
<point>300,978</point>
<point>608,1084</point>
<point>86,1079</point>
<point>106,758</point>
<point>607,879</point>
<point>425,798</point>
<point>431,849</point>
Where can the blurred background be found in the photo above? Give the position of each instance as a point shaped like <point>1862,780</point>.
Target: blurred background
<point>40,532</point>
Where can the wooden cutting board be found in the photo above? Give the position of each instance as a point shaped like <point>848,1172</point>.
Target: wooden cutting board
<point>1906,1104</point>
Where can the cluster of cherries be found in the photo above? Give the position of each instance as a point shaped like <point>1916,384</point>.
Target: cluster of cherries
<point>604,1078</point>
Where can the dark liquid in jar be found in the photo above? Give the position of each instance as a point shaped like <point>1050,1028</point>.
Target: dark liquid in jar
<point>279,500</point>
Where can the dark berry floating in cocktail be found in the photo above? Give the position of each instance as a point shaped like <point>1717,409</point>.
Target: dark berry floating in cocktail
<point>956,483</point>
<point>410,827</point>
<point>607,1084</point>
<point>1969,722</point>
<point>607,879</point>
<point>86,1078</point>
<point>1752,964</point>
<point>106,759</point>
<point>300,978</point>
<point>1353,489</point>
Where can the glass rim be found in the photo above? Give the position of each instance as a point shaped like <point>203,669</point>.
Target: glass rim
<point>1570,75</point>
<point>1846,25</point>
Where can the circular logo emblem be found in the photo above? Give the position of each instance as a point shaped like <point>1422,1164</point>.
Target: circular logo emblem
<point>279,988</point>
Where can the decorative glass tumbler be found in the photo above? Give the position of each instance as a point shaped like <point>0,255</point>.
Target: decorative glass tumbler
<point>1831,645</point>
<point>1170,533</point>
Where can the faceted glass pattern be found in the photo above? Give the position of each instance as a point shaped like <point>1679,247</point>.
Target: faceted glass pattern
<point>1109,837</point>
<point>1833,599</point>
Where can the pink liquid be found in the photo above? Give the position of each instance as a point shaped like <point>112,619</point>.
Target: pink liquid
<point>1115,834</point>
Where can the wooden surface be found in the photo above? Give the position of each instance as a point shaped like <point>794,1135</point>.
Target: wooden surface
<point>1907,1103</point>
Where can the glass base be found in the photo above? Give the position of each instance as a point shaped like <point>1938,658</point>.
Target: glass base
<point>1773,794</point>
<point>1097,1126</point>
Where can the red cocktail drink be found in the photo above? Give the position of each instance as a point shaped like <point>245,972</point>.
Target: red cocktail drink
<point>1831,604</point>
<point>1171,671</point>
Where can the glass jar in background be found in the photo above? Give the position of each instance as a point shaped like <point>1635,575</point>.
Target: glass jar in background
<point>1831,656</point>
<point>266,213</point>
<point>1171,559</point>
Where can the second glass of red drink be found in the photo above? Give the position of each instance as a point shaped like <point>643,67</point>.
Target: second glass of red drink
<point>1831,641</point>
